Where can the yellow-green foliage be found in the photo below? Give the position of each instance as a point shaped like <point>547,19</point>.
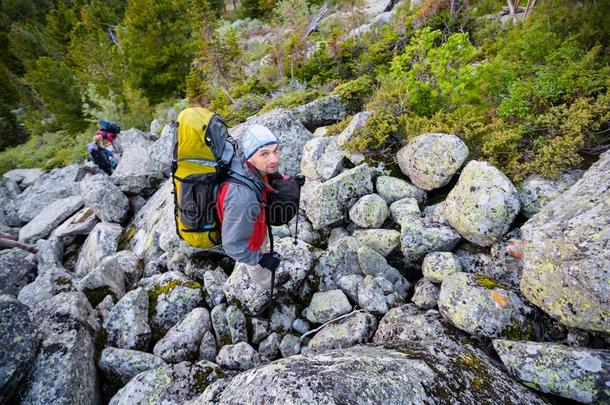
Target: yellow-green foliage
<point>337,128</point>
<point>47,151</point>
<point>291,99</point>
<point>355,92</point>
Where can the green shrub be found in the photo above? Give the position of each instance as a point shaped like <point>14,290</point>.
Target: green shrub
<point>355,92</point>
<point>292,99</point>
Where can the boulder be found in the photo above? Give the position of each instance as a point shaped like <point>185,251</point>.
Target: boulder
<point>24,177</point>
<point>371,297</point>
<point>535,192</point>
<point>575,373</point>
<point>419,237</point>
<point>207,348</point>
<point>182,341</point>
<point>327,305</point>
<point>53,281</point>
<point>291,134</point>
<point>282,317</point>
<point>352,330</point>
<point>297,261</point>
<point>240,290</point>
<point>162,149</point>
<point>81,223</point>
<point>102,242</point>
<point>236,320</point>
<point>370,211</point>
<point>220,325</point>
<point>213,282</point>
<point>566,257</point>
<point>240,356</point>
<point>171,297</point>
<point>290,346</point>
<point>404,209</point>
<point>483,204</point>
<point>392,189</point>
<point>408,324</point>
<point>340,259</point>
<point>171,385</point>
<point>328,201</point>
<point>120,366</point>
<point>106,199</point>
<point>18,338</point>
<point>64,370</point>
<point>48,188</point>
<point>425,295</point>
<point>127,323</point>
<point>412,373</point>
<point>50,254</point>
<point>323,111</point>
<point>49,218</point>
<point>488,311</point>
<point>438,265</point>
<point>270,346</point>
<point>17,269</point>
<point>312,152</point>
<point>383,241</point>
<point>431,160</point>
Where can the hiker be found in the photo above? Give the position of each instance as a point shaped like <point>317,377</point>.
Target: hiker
<point>109,139</point>
<point>244,221</point>
<point>100,155</point>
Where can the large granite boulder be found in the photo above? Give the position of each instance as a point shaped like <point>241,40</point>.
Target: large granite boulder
<point>49,218</point>
<point>106,199</point>
<point>475,304</point>
<point>410,373</point>
<point>383,241</point>
<point>328,201</point>
<point>161,151</point>
<point>24,177</point>
<point>323,111</point>
<point>127,323</point>
<point>119,366</point>
<point>370,211</point>
<point>181,343</point>
<point>431,160</point>
<point>240,356</point>
<point>52,282</point>
<point>171,385</point>
<point>535,192</point>
<point>81,223</point>
<point>327,305</point>
<point>18,340</point>
<point>102,242</point>
<point>566,256</point>
<point>407,323</point>
<point>64,370</point>
<point>312,152</point>
<point>291,134</point>
<point>483,204</point>
<point>357,328</point>
<point>17,269</point>
<point>576,373</point>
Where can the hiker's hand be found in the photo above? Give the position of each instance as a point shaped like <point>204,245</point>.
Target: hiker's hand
<point>270,261</point>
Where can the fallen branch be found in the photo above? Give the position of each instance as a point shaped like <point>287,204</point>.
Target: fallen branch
<point>11,243</point>
<point>315,20</point>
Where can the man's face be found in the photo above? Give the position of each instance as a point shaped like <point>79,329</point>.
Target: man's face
<point>266,160</point>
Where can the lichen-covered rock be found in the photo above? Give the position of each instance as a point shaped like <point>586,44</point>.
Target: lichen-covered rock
<point>312,152</point>
<point>171,385</point>
<point>575,373</point>
<point>240,290</point>
<point>64,371</point>
<point>161,150</point>
<point>213,282</point>
<point>49,218</point>
<point>290,346</point>
<point>24,177</point>
<point>182,341</point>
<point>48,188</point>
<point>240,356</point>
<point>328,200</point>
<point>475,304</point>
<point>420,237</point>
<point>349,285</point>
<point>352,330</point>
<point>438,265</point>
<point>301,326</point>
<point>291,134</point>
<point>410,373</point>
<point>236,320</point>
<point>323,111</point>
<point>297,261</point>
<point>220,325</point>
<point>207,348</point>
<point>270,346</point>
<point>371,297</point>
<point>340,259</point>
<point>101,242</point>
<point>404,209</point>
<point>392,189</point>
<point>80,223</point>
<point>282,317</point>
<point>19,342</point>
<point>566,257</point>
<point>119,366</point>
<point>327,305</point>
<point>53,281</point>
<point>50,254</point>
<point>425,295</point>
<point>171,298</point>
<point>483,204</point>
<point>127,324</point>
<point>106,199</point>
<point>406,323</point>
<point>17,269</point>
<point>431,160</point>
<point>384,241</point>
<point>536,192</point>
<point>370,211</point>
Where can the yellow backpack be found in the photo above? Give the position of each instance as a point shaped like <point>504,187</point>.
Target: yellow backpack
<point>203,150</point>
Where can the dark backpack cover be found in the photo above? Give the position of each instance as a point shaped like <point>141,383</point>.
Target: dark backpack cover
<point>109,126</point>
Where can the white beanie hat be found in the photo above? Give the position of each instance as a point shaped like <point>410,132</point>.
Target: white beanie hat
<point>256,137</point>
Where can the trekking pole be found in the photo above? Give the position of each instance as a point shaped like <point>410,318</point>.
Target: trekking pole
<point>300,180</point>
